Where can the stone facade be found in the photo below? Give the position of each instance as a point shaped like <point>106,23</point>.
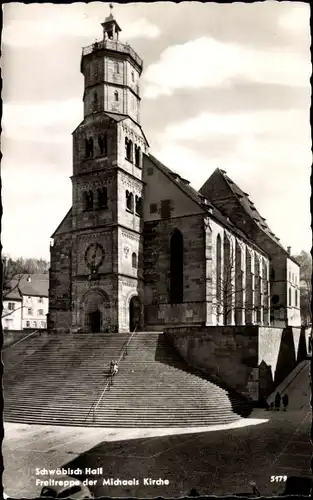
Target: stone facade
<point>140,248</point>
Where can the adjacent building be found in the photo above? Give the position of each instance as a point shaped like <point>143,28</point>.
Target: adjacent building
<point>25,305</point>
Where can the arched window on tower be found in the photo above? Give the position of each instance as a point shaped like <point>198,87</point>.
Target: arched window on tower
<point>102,197</point>
<point>129,201</point>
<point>137,156</point>
<point>138,206</point>
<point>103,144</point>
<point>88,200</point>
<point>176,267</point>
<point>89,147</point>
<point>116,96</point>
<point>129,149</point>
<point>289,292</point>
<point>134,260</point>
<point>296,298</point>
<point>116,68</point>
<point>133,76</point>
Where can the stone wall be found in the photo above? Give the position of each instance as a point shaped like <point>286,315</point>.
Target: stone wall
<point>158,309</point>
<point>252,360</point>
<point>60,284</point>
<point>228,354</point>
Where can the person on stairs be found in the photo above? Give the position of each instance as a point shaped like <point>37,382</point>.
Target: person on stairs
<point>111,367</point>
<point>285,401</point>
<point>115,368</point>
<point>277,401</point>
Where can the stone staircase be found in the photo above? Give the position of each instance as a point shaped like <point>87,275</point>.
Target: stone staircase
<point>59,382</point>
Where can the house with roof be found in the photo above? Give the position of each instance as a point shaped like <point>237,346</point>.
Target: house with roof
<point>27,299</point>
<point>12,310</point>
<point>140,248</point>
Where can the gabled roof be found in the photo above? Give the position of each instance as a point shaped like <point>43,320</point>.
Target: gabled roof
<point>38,285</point>
<point>249,208</point>
<point>66,219</point>
<point>173,177</point>
<point>206,205</point>
<point>12,293</point>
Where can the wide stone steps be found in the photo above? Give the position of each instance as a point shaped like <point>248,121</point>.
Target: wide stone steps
<point>60,382</point>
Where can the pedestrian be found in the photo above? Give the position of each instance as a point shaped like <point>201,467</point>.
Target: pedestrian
<point>277,401</point>
<point>111,367</point>
<point>285,401</point>
<point>115,368</point>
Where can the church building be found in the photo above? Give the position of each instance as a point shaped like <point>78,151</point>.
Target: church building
<point>140,248</point>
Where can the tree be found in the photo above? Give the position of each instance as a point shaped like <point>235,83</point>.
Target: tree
<point>305,261</point>
<point>227,283</point>
<point>233,290</point>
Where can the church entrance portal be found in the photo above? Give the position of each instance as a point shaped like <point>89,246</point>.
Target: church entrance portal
<point>96,317</point>
<point>95,321</point>
<point>134,314</point>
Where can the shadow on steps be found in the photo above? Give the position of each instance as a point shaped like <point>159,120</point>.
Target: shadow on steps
<point>167,354</point>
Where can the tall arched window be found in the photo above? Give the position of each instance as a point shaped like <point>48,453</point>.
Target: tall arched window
<point>88,200</point>
<point>129,149</point>
<point>289,296</point>
<point>89,147</point>
<point>134,260</point>
<point>296,298</point>
<point>228,285</point>
<point>129,201</point>
<point>218,274</point>
<point>102,197</point>
<point>137,155</point>
<point>176,267</point>
<point>103,144</point>
<point>116,68</point>
<point>116,95</point>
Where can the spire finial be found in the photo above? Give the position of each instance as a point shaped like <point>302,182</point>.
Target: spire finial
<point>111,8</point>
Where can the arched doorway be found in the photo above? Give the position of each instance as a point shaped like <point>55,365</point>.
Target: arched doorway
<point>96,312</point>
<point>95,321</point>
<point>134,313</point>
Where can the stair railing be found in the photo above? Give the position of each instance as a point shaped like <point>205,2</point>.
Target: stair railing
<point>21,340</point>
<point>123,353</point>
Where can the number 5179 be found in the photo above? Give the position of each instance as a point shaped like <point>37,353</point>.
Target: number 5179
<point>278,479</point>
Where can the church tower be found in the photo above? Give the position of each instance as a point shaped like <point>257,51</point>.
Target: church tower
<point>107,187</point>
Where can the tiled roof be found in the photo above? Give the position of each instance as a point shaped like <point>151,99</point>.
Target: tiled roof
<point>38,286</point>
<point>251,210</point>
<point>12,294</point>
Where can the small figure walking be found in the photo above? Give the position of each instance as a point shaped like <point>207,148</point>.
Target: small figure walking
<point>285,401</point>
<point>111,367</point>
<point>115,368</point>
<point>277,401</point>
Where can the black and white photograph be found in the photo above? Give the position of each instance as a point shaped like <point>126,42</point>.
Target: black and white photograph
<point>156,239</point>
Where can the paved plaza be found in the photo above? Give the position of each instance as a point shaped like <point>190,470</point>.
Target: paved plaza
<point>221,460</point>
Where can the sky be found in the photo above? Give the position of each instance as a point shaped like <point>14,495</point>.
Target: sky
<point>224,85</point>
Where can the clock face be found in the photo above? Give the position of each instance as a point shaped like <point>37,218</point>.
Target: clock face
<point>94,255</point>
